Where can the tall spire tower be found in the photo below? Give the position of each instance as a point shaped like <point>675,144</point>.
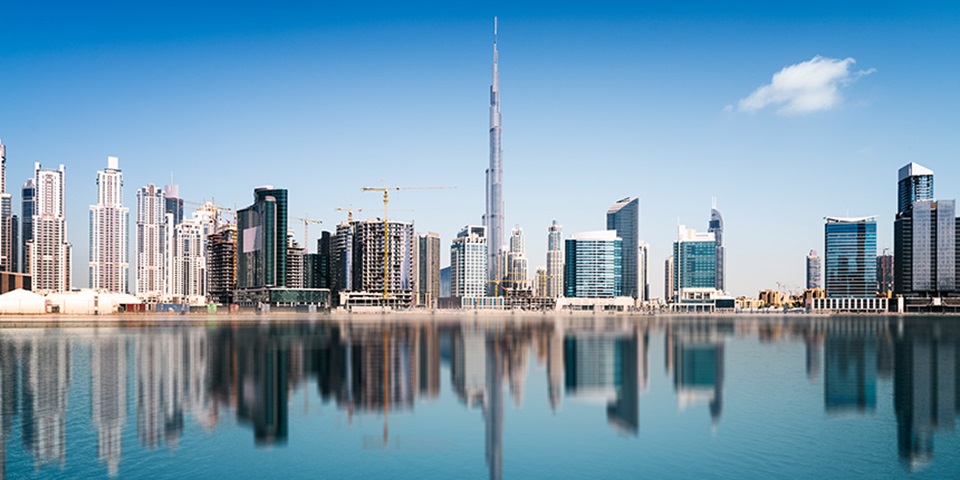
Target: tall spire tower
<point>493,219</point>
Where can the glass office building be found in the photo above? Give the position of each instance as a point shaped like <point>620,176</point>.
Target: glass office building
<point>851,257</point>
<point>694,261</point>
<point>915,182</point>
<point>624,218</point>
<point>594,265</point>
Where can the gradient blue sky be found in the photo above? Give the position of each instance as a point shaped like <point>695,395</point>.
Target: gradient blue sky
<point>600,101</point>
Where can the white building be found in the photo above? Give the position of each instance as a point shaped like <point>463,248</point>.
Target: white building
<point>554,261</point>
<point>517,265</point>
<point>468,263</point>
<point>49,251</point>
<point>151,243</point>
<point>109,264</point>
<point>189,270</point>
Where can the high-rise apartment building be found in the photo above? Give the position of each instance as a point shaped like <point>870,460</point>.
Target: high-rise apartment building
<point>295,256</point>
<point>516,280</point>
<point>668,285</point>
<point>428,269</point>
<point>151,244</point>
<point>716,228</point>
<point>554,261</point>
<point>172,203</point>
<point>493,219</point>
<point>885,273</point>
<point>594,265</point>
<point>109,264</point>
<point>694,262</point>
<point>189,272</point>
<point>624,218</point>
<point>851,257</point>
<point>222,264</point>
<point>8,221</point>
<point>813,270</point>
<point>643,267</point>
<point>27,202</point>
<point>49,251</point>
<point>262,240</point>
<point>468,263</point>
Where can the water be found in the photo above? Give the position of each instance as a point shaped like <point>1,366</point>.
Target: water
<point>591,397</point>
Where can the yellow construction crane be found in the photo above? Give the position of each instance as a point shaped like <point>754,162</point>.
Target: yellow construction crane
<point>306,229</point>
<point>215,207</point>
<point>350,211</point>
<point>386,227</point>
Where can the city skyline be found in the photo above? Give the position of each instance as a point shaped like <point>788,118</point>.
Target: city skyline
<point>152,96</point>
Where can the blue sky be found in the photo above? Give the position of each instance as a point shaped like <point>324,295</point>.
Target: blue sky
<point>599,102</point>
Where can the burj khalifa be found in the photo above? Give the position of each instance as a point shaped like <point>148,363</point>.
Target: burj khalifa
<point>493,219</point>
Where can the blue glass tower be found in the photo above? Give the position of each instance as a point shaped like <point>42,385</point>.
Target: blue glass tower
<point>915,183</point>
<point>594,265</point>
<point>851,257</point>
<point>624,218</point>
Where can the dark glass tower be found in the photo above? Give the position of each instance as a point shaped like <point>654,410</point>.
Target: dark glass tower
<point>262,240</point>
<point>26,215</point>
<point>624,217</point>
<point>915,183</point>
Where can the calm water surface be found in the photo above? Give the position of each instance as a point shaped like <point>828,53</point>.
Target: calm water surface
<point>597,397</point>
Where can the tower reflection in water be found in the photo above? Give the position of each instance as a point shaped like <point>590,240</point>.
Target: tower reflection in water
<point>188,376</point>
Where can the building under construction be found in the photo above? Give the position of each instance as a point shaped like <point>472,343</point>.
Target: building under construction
<point>222,264</point>
<point>362,264</point>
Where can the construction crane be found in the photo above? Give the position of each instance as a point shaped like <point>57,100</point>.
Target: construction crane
<point>306,229</point>
<point>386,226</point>
<point>350,211</point>
<point>215,207</point>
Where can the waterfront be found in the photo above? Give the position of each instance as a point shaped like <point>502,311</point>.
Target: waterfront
<point>518,397</point>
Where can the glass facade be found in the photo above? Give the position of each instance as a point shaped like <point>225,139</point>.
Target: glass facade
<point>624,218</point>
<point>262,240</point>
<point>694,264</point>
<point>851,257</point>
<point>916,183</point>
<point>594,265</point>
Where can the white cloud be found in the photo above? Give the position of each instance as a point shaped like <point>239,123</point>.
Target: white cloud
<point>805,87</point>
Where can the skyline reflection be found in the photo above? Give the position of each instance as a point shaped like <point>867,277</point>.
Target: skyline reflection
<point>166,381</point>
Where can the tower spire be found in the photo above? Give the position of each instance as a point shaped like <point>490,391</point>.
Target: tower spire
<point>493,218</point>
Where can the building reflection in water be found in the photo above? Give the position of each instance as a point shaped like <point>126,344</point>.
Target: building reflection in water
<point>108,389</point>
<point>925,387</point>
<point>695,358</point>
<point>378,370</point>
<point>46,380</point>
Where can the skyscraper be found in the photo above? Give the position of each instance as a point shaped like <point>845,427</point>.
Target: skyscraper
<point>885,273</point>
<point>851,254</point>
<point>925,238</point>
<point>27,195</point>
<point>554,260</point>
<point>624,218</point>
<point>8,221</point>
<point>49,251</point>
<point>517,266</point>
<point>151,243</point>
<point>468,262</point>
<point>643,267</point>
<point>109,264</point>
<point>668,285</point>
<point>694,261</point>
<point>222,264</point>
<point>915,183</point>
<point>359,258</point>
<point>493,219</point>
<point>813,270</point>
<point>594,265</point>
<point>262,240</point>
<point>428,269</point>
<point>716,228</point>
